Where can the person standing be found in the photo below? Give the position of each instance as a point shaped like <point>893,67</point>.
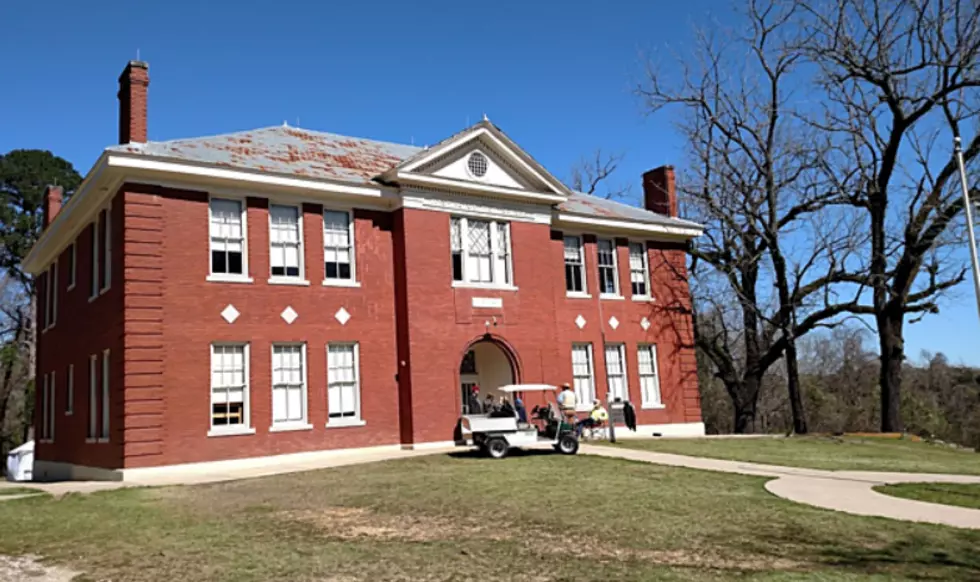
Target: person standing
<point>474,401</point>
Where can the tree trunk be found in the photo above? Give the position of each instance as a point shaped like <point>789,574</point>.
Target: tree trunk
<point>795,390</point>
<point>745,402</point>
<point>892,344</point>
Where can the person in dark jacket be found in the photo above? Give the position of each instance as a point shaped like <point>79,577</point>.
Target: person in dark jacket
<point>521,411</point>
<point>629,416</point>
<point>474,402</point>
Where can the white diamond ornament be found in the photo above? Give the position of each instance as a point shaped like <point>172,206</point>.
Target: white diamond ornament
<point>645,324</point>
<point>613,322</point>
<point>230,314</point>
<point>289,315</point>
<point>580,322</point>
<point>342,316</point>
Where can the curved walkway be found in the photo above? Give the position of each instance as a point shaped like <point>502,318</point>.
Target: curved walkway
<point>847,491</point>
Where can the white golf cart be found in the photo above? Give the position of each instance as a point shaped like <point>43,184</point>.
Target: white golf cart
<point>496,435</point>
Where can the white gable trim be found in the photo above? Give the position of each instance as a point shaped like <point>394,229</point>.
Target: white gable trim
<point>450,184</point>
<point>622,226</point>
<point>505,150</point>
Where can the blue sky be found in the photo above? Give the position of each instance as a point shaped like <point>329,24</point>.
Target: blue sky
<point>558,77</point>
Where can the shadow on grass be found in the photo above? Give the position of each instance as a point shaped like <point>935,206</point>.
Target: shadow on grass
<point>516,453</point>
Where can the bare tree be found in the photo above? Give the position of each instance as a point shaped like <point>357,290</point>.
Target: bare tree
<point>755,181</point>
<point>898,79</point>
<point>589,173</point>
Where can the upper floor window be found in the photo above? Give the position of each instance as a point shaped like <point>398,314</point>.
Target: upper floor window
<point>574,265</point>
<point>285,242</point>
<point>639,270</point>
<point>106,250</point>
<point>338,246</point>
<point>227,226</point>
<point>480,251</point>
<point>51,296</point>
<point>608,279</point>
<point>94,289</point>
<point>72,258</point>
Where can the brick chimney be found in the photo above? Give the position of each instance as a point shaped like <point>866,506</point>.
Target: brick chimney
<point>659,191</point>
<point>133,83</point>
<point>51,206</point>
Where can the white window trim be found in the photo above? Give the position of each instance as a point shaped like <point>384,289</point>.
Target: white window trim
<point>621,349</point>
<point>106,283</point>
<point>52,406</point>
<point>72,272</point>
<point>238,429</point>
<point>226,277</point>
<point>106,426</point>
<point>617,291</point>
<point>54,296</point>
<point>70,391</point>
<point>290,425</point>
<point>584,293</point>
<point>357,419</point>
<point>95,283</point>
<point>646,271</point>
<point>494,255</point>
<point>585,404</point>
<point>301,252</point>
<point>45,407</point>
<point>645,404</point>
<point>92,430</point>
<point>353,281</point>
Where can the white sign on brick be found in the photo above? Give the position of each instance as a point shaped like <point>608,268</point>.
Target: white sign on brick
<point>489,302</point>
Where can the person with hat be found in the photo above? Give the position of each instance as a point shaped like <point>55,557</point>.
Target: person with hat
<point>473,406</point>
<point>567,402</point>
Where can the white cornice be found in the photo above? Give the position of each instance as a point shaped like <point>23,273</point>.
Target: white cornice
<point>485,189</point>
<point>613,225</point>
<point>475,206</point>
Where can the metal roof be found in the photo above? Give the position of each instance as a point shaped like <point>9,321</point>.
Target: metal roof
<point>328,156</point>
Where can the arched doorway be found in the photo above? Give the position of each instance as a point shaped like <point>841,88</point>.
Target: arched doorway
<point>488,365</point>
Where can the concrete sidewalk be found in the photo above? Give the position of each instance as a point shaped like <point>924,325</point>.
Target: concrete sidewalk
<point>846,491</point>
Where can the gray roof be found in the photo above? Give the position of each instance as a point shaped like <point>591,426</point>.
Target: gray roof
<point>328,156</point>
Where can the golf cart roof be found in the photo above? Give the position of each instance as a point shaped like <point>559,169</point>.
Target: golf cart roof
<point>527,388</point>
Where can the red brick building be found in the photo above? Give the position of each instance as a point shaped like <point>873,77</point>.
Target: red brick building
<point>283,291</point>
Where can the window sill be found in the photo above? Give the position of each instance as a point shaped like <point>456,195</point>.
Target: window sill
<point>340,283</point>
<point>228,279</point>
<point>92,298</point>
<point>69,413</point>
<point>104,291</point>
<point>577,295</point>
<point>490,286</point>
<point>344,423</point>
<point>288,281</point>
<point>610,296</point>
<point>289,427</point>
<point>237,431</point>
<point>653,407</point>
<point>70,287</point>
<point>642,298</point>
<point>46,441</point>
<point>102,440</point>
<point>89,441</point>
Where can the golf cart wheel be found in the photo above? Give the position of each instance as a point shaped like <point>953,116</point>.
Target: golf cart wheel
<point>496,448</point>
<point>567,445</point>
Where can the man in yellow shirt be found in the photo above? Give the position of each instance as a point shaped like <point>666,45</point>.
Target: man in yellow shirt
<point>598,417</point>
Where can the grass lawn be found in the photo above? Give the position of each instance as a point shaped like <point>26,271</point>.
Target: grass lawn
<point>18,491</point>
<point>528,517</point>
<point>961,494</point>
<point>832,453</point>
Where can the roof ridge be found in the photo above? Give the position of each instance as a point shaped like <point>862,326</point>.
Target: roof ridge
<point>279,128</point>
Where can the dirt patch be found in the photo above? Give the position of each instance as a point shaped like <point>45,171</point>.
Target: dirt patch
<point>359,522</point>
<point>29,569</point>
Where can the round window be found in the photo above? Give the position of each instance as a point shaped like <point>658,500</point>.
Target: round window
<point>477,164</point>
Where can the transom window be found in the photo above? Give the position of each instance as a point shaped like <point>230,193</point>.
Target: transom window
<point>288,384</point>
<point>616,372</point>
<point>285,240</point>
<point>608,281</point>
<point>338,246</point>
<point>649,375</point>
<point>574,265</point>
<point>480,250</point>
<point>343,384</point>
<point>227,237</point>
<point>229,385</point>
<point>639,270</point>
<point>583,373</point>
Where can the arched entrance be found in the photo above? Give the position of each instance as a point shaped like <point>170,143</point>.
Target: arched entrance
<point>489,365</point>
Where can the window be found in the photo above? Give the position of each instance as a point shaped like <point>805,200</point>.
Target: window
<point>94,290</point>
<point>343,384</point>
<point>47,408</point>
<point>582,373</point>
<point>70,391</point>
<point>72,258</point>
<point>104,435</point>
<point>639,271</point>
<point>289,384</point>
<point>608,276</point>
<point>229,387</point>
<point>480,251</point>
<point>574,265</point>
<point>649,376</point>
<point>477,165</point>
<point>107,250</point>
<point>616,372</point>
<point>50,296</point>
<point>285,239</point>
<point>227,225</point>
<point>93,407</point>
<point>338,246</point>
